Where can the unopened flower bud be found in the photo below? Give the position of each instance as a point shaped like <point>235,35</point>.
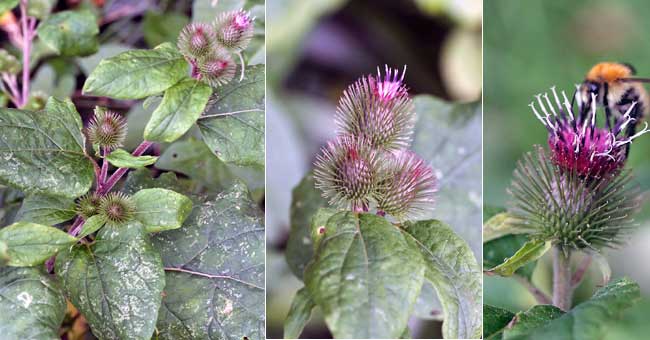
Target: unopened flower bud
<point>107,129</point>
<point>88,205</point>
<point>347,171</point>
<point>234,30</point>
<point>117,208</point>
<point>408,187</point>
<point>197,40</point>
<point>217,69</point>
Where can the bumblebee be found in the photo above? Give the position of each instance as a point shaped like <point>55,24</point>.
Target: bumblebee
<point>616,89</point>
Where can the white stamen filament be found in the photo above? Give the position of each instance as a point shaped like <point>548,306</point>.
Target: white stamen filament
<point>579,96</point>
<point>567,104</point>
<point>548,102</point>
<point>532,106</point>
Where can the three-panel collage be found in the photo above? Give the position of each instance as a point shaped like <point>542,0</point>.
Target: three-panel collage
<point>324,169</point>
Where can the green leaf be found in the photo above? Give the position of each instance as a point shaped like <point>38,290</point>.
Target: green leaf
<point>44,151</point>
<point>6,5</point>
<point>530,251</point>
<point>454,272</point>
<point>299,314</point>
<point>123,159</point>
<point>30,244</point>
<point>40,8</point>
<point>91,225</point>
<point>448,136</point>
<point>525,322</point>
<point>235,130</point>
<point>590,319</point>
<point>46,209</point>
<point>495,320</point>
<point>500,225</point>
<point>305,202</point>
<point>181,106</point>
<point>70,33</point>
<point>143,179</point>
<point>365,277</point>
<point>137,74</point>
<point>31,303</point>
<point>161,209</point>
<point>496,251</point>
<point>489,211</point>
<point>162,27</point>
<point>4,254</point>
<point>192,157</point>
<point>215,271</point>
<point>116,283</point>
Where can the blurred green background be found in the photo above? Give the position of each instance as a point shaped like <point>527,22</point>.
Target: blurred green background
<point>530,46</point>
<point>315,49</point>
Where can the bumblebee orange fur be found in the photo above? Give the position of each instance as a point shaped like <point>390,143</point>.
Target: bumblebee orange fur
<point>608,72</point>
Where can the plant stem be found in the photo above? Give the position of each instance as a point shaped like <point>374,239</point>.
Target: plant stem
<point>104,172</point>
<point>580,272</point>
<point>27,34</point>
<point>76,226</point>
<point>115,177</point>
<point>540,296</point>
<point>561,279</point>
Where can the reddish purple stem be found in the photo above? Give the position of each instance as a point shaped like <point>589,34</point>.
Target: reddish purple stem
<point>27,24</point>
<point>115,177</point>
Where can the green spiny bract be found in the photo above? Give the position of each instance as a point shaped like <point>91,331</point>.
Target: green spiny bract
<point>88,205</point>
<point>408,188</point>
<point>234,30</point>
<point>380,109</point>
<point>569,209</point>
<point>107,129</point>
<point>117,208</point>
<point>197,40</point>
<point>347,171</point>
<point>218,68</point>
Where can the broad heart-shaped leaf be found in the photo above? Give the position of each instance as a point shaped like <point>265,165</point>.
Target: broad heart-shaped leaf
<point>32,304</point>
<point>44,151</point>
<point>452,269</point>
<point>589,320</point>
<point>496,251</point>
<point>70,33</point>
<point>192,157</point>
<point>161,209</point>
<point>527,321</point>
<point>29,244</point>
<point>529,252</point>
<point>46,209</point>
<point>6,5</point>
<point>123,159</point>
<point>305,202</point>
<point>495,320</point>
<point>181,106</point>
<point>116,283</point>
<point>448,135</point>
<point>235,132</point>
<point>215,271</point>
<point>365,277</point>
<point>137,74</point>
<point>299,314</point>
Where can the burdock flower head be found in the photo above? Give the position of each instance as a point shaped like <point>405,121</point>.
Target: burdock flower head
<point>572,211</point>
<point>218,68</point>
<point>197,40</point>
<point>577,143</point>
<point>378,108</point>
<point>234,30</point>
<point>347,171</point>
<point>408,188</point>
<point>368,163</point>
<point>117,208</point>
<point>107,129</point>
<point>88,205</point>
<point>580,196</point>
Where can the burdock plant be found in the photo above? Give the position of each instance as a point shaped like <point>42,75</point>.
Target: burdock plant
<point>576,196</point>
<point>370,258</point>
